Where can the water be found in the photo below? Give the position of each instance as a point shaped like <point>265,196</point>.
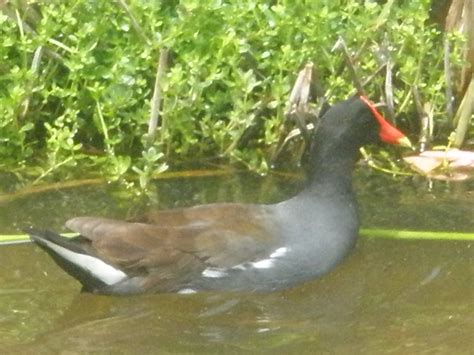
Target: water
<point>389,296</point>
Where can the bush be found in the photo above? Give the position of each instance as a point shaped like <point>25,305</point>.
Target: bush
<point>77,76</point>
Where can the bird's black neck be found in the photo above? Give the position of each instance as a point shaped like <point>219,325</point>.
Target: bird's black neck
<point>331,166</point>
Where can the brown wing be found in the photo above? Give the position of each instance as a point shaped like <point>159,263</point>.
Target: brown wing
<point>190,239</point>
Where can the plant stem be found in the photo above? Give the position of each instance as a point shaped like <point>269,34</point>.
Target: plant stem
<point>104,129</point>
<point>407,234</point>
<point>134,21</point>
<point>464,114</point>
<point>448,79</point>
<point>29,87</point>
<point>156,100</point>
<point>366,233</point>
<point>425,135</point>
<point>341,44</point>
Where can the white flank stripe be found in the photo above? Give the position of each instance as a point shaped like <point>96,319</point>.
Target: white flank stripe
<point>279,252</point>
<point>239,267</point>
<point>95,266</point>
<point>187,291</point>
<point>263,264</point>
<point>213,273</point>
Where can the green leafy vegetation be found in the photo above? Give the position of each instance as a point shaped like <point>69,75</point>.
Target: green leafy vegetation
<point>77,77</point>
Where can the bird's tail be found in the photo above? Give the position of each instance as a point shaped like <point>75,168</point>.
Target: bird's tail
<point>74,256</point>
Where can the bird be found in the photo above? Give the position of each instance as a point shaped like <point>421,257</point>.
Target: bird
<point>233,246</point>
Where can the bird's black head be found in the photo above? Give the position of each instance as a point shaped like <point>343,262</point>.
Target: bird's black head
<point>356,122</point>
<point>344,128</point>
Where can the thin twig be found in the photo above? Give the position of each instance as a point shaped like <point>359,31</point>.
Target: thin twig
<point>374,74</point>
<point>425,130</point>
<point>382,56</point>
<point>51,169</point>
<point>157,98</point>
<point>389,88</point>
<point>448,79</point>
<point>371,163</point>
<point>34,69</point>
<point>135,23</point>
<point>341,44</point>
<point>105,130</point>
<point>61,45</point>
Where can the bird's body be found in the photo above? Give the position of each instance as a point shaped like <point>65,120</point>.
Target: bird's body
<point>231,246</point>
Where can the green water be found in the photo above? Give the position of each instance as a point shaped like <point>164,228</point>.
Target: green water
<point>389,296</point>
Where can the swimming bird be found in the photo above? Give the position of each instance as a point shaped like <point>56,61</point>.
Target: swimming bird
<point>233,246</point>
